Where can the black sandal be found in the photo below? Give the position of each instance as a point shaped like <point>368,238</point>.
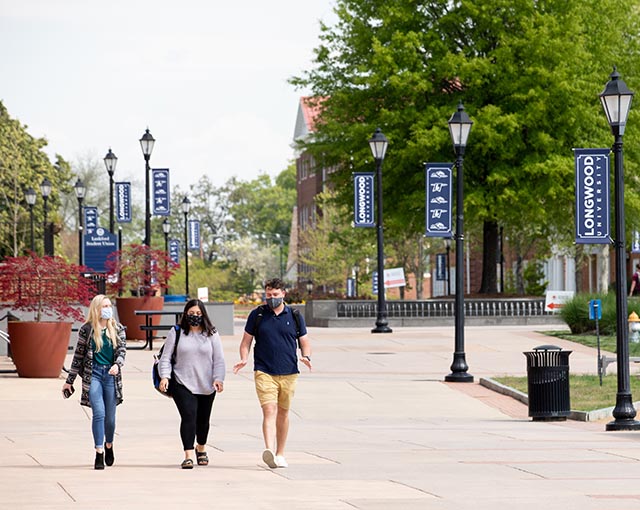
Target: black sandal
<point>203,458</point>
<point>187,464</point>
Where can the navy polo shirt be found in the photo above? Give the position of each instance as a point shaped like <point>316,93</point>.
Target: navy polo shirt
<point>275,351</point>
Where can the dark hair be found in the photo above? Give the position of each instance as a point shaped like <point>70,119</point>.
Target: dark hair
<point>207,326</point>
<point>275,283</point>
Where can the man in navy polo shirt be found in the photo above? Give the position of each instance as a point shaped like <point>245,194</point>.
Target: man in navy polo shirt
<point>275,360</point>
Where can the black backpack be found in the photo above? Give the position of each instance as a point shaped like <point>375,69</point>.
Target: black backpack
<point>261,311</point>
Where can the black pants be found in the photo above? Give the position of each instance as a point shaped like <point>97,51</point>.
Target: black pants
<point>195,413</point>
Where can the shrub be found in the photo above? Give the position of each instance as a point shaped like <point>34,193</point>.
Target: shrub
<point>575,313</point>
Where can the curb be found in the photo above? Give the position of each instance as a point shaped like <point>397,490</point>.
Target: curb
<point>595,415</point>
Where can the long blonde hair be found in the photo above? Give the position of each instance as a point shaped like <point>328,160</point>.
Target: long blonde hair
<point>93,318</point>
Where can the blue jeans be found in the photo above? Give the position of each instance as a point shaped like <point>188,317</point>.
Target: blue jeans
<point>102,397</point>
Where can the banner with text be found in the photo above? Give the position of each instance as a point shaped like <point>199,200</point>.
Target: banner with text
<point>194,235</point>
<point>161,198</point>
<point>592,196</point>
<point>363,199</point>
<point>123,202</point>
<point>438,195</point>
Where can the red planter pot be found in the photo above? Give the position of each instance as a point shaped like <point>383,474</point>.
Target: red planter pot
<point>38,349</point>
<point>126,313</point>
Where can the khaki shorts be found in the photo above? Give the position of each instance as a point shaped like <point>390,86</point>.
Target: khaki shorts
<point>275,388</point>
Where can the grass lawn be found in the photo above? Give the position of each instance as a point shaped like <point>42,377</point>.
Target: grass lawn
<point>586,392</point>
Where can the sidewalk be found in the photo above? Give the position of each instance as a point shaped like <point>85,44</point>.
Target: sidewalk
<point>372,428</point>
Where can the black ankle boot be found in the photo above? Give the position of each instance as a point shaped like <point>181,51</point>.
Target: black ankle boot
<point>99,464</point>
<point>108,456</point>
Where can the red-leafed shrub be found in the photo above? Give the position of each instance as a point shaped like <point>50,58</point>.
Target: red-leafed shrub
<point>51,284</point>
<point>139,270</point>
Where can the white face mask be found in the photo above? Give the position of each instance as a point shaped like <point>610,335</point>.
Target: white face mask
<point>106,313</point>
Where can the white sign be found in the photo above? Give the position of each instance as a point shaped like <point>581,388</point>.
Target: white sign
<point>203,294</point>
<point>394,277</point>
<point>555,299</point>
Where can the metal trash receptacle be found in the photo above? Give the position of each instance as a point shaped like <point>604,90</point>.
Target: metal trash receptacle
<point>548,383</point>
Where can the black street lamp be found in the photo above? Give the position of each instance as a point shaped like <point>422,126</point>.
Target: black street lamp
<point>447,246</point>
<point>45,189</point>
<point>309,287</point>
<point>378,144</point>
<point>80,190</point>
<point>146,142</point>
<point>166,229</point>
<point>616,101</point>
<point>110,161</point>
<point>30,197</point>
<point>186,205</point>
<point>459,127</point>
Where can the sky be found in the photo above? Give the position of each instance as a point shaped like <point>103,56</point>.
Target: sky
<point>207,77</point>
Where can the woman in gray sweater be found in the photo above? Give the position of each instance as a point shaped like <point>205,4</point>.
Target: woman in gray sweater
<point>195,377</point>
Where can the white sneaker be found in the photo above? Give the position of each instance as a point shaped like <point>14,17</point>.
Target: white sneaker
<point>281,462</point>
<point>269,458</point>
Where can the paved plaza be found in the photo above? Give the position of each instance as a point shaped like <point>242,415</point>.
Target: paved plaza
<point>373,427</point>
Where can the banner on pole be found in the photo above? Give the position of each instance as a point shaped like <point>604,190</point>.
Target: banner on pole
<point>174,250</point>
<point>123,202</point>
<point>194,235</point>
<point>363,199</point>
<point>161,196</point>
<point>438,199</point>
<point>592,196</point>
<point>90,219</point>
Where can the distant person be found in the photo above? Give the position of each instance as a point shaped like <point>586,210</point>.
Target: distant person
<point>194,379</point>
<point>98,359</point>
<point>635,282</point>
<point>278,334</point>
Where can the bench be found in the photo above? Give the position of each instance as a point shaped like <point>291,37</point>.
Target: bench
<point>148,327</point>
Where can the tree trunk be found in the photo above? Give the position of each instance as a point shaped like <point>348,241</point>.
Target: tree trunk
<point>490,257</point>
<point>519,276</point>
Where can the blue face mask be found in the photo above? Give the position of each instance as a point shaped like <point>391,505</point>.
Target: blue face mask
<point>106,313</point>
<point>274,302</point>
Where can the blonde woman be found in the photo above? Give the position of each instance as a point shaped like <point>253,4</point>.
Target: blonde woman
<point>98,359</point>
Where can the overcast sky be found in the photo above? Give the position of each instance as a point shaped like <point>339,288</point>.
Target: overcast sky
<point>208,77</point>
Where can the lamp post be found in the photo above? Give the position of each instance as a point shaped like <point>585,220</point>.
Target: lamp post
<point>378,145</point>
<point>459,127</point>
<point>616,101</point>
<point>45,189</point>
<point>186,205</point>
<point>30,197</point>
<point>166,229</point>
<point>80,190</point>
<point>447,246</point>
<point>309,287</point>
<point>110,161</point>
<point>146,143</point>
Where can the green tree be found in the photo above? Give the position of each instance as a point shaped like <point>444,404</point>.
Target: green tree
<point>24,164</point>
<point>528,74</point>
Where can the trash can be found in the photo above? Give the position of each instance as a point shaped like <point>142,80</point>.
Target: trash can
<point>548,383</point>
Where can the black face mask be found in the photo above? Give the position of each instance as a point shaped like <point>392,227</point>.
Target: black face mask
<point>194,320</point>
<point>274,302</point>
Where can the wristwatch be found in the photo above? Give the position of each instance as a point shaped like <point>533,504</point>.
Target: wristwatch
<point>307,358</point>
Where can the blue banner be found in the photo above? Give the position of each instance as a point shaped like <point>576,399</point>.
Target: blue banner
<point>194,235</point>
<point>97,247</point>
<point>161,198</point>
<point>374,282</point>
<point>592,196</point>
<point>123,202</point>
<point>90,219</point>
<point>438,199</point>
<point>363,199</point>
<point>174,250</point>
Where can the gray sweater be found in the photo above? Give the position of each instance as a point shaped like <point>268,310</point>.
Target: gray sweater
<point>199,361</point>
